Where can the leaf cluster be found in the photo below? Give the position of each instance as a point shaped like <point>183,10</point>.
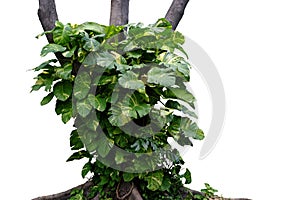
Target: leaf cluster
<point>125,87</point>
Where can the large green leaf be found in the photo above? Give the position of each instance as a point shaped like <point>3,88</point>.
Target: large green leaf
<point>130,80</point>
<point>188,176</point>
<point>82,85</point>
<point>52,48</point>
<point>161,76</point>
<point>155,180</point>
<point>70,53</point>
<point>62,90</point>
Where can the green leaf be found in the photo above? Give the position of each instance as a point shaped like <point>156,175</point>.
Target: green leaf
<point>45,64</point>
<point>106,145</point>
<point>52,48</point>
<point>82,85</point>
<point>61,33</point>
<point>83,107</point>
<point>47,99</point>
<point>79,155</point>
<point>65,71</point>
<point>154,180</point>
<point>62,90</point>
<point>91,45</point>
<point>66,116</point>
<point>75,141</point>
<point>166,184</point>
<point>97,102</point>
<point>69,54</point>
<point>191,129</point>
<point>188,176</point>
<point>163,77</point>
<point>128,176</point>
<point>86,169</point>
<point>91,26</point>
<point>182,94</point>
<point>130,80</point>
<point>163,23</point>
<point>106,60</point>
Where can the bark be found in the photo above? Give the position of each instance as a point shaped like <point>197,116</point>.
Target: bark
<point>47,16</point>
<point>119,12</point>
<point>176,12</point>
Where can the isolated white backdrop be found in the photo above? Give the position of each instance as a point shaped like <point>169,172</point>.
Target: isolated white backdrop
<point>255,46</point>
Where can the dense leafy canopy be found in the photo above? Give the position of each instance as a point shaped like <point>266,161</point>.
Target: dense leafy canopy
<point>130,75</point>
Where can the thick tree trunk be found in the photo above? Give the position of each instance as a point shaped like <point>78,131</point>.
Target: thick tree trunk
<point>176,12</point>
<point>119,12</point>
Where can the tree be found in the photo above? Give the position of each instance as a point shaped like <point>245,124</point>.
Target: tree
<point>125,189</point>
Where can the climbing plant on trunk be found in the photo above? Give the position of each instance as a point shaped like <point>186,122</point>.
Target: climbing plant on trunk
<point>124,86</point>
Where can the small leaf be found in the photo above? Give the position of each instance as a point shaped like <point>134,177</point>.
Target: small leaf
<point>61,33</point>
<point>128,176</point>
<point>86,169</point>
<point>119,158</point>
<point>62,90</point>
<point>188,176</point>
<point>91,26</point>
<point>97,102</point>
<point>130,80</point>
<point>45,64</point>
<point>47,99</point>
<point>82,85</point>
<point>69,54</point>
<point>154,180</point>
<point>182,94</point>
<point>66,116</point>
<point>79,155</point>
<point>52,48</point>
<point>65,71</point>
<point>75,141</point>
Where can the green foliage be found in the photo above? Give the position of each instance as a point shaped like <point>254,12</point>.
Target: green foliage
<point>207,193</point>
<point>143,65</point>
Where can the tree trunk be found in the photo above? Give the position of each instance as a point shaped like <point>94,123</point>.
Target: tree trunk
<point>176,12</point>
<point>119,12</point>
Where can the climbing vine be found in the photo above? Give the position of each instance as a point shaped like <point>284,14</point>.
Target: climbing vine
<point>125,88</point>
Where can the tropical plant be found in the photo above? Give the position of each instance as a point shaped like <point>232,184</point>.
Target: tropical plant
<point>125,88</point>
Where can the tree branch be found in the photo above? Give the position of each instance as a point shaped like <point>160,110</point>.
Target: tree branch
<point>176,11</point>
<point>119,12</point>
<point>47,16</point>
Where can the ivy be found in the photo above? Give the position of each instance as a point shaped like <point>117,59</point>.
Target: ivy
<point>129,75</point>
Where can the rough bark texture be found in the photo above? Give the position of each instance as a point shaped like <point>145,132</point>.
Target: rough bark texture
<point>176,11</point>
<point>48,16</point>
<point>119,12</point>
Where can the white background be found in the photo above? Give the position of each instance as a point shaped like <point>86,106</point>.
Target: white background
<point>255,46</point>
